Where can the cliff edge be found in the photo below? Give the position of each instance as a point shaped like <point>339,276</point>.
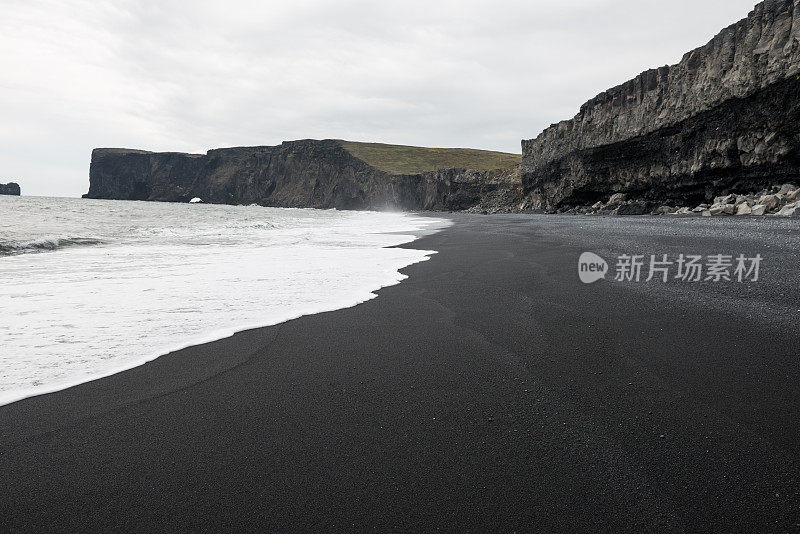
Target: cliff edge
<point>724,119</point>
<point>310,173</point>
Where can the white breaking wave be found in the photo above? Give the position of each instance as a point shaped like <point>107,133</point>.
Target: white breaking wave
<point>159,277</point>
<point>45,244</point>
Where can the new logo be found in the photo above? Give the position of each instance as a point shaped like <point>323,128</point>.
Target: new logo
<point>591,268</point>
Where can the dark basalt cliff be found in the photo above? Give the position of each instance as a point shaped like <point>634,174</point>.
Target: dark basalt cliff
<point>10,188</point>
<point>308,173</point>
<point>725,119</point>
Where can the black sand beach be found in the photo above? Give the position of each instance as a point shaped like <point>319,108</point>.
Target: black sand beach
<point>491,391</point>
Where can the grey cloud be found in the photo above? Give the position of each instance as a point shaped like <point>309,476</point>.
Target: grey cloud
<point>173,75</point>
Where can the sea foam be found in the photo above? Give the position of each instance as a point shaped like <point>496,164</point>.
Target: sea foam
<point>138,280</point>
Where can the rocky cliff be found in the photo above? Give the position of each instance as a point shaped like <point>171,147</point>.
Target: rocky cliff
<point>308,173</point>
<point>10,188</point>
<point>724,119</point>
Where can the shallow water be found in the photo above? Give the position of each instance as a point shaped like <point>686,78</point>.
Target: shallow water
<point>92,287</point>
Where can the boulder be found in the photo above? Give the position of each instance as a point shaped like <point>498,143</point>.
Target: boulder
<point>722,209</point>
<point>617,198</point>
<point>790,210</point>
<point>683,211</point>
<point>597,205</point>
<point>758,209</point>
<point>662,210</point>
<point>706,213</point>
<point>744,209</point>
<point>793,196</point>
<point>701,208</point>
<point>633,207</point>
<point>786,189</point>
<point>727,199</point>
<point>770,201</point>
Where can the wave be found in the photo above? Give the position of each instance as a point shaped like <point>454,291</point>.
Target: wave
<point>8,248</point>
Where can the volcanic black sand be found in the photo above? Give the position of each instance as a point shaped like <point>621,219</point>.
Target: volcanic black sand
<point>490,391</point>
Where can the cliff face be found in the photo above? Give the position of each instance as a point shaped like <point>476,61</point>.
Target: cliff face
<point>10,188</point>
<point>309,173</point>
<point>724,118</point>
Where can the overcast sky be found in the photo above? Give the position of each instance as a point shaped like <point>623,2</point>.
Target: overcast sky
<point>193,75</point>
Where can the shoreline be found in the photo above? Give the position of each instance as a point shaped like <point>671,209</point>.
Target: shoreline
<point>357,296</point>
<point>491,390</point>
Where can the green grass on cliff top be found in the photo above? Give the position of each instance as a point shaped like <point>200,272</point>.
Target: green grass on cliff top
<point>399,159</point>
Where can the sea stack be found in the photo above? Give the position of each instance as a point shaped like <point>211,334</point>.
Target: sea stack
<point>11,188</point>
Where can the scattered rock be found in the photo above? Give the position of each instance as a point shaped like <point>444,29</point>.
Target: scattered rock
<point>784,201</point>
<point>722,209</point>
<point>790,210</point>
<point>617,198</point>
<point>633,207</point>
<point>662,210</point>
<point>770,201</point>
<point>727,199</point>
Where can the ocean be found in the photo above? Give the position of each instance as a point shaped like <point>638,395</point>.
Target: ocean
<point>89,288</point>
